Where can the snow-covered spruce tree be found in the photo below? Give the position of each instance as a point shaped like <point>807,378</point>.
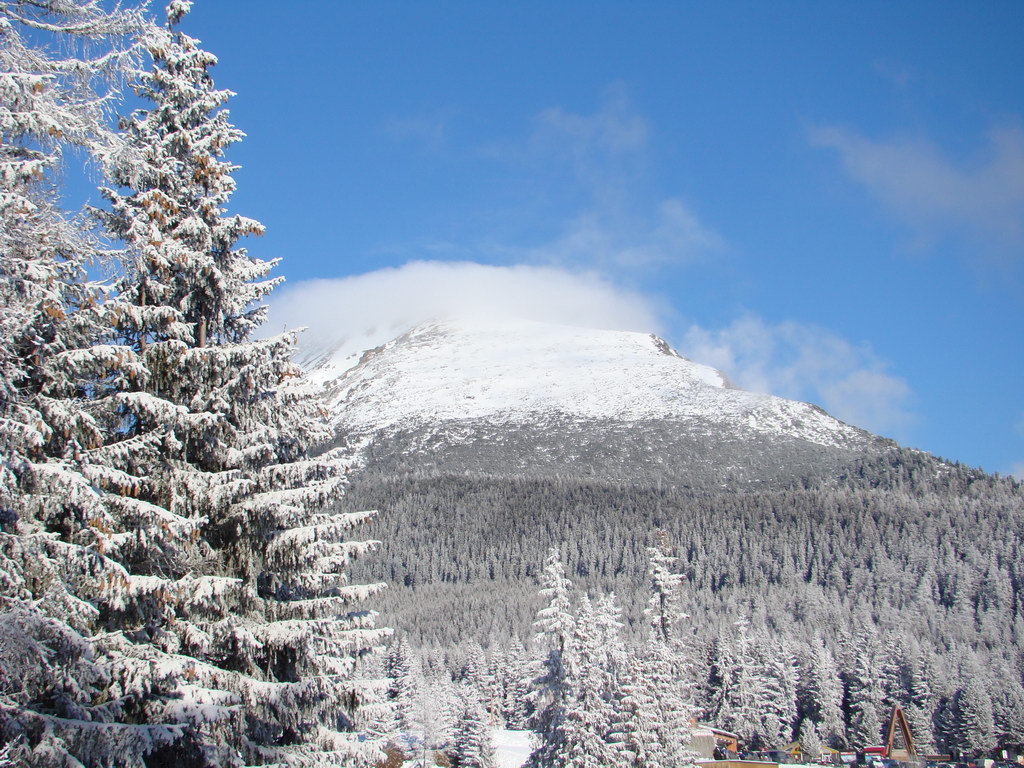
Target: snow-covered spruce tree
<point>810,742</point>
<point>635,734</point>
<point>71,692</point>
<point>555,626</point>
<point>921,707</point>
<point>260,623</point>
<point>582,737</point>
<point>975,731</point>
<point>665,664</point>
<point>779,692</point>
<point>1007,705</point>
<point>421,718</point>
<point>864,693</point>
<point>742,705</point>
<point>517,674</point>
<point>406,687</point>
<point>820,692</point>
<point>473,742</point>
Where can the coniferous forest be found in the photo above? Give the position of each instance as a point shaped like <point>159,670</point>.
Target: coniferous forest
<point>188,576</point>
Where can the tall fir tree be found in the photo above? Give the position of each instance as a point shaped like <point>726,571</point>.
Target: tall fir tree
<point>1007,696</point>
<point>810,742</point>
<point>636,733</point>
<point>78,692</point>
<point>864,699</point>
<point>220,432</point>
<point>920,709</point>
<point>582,737</point>
<point>665,664</point>
<point>778,694</point>
<point>820,692</point>
<point>975,728</point>
<point>550,692</point>
<point>741,711</point>
<point>473,742</point>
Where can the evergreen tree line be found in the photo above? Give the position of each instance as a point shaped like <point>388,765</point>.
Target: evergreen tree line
<point>589,698</point>
<point>172,589</point>
<point>587,689</point>
<point>897,581</point>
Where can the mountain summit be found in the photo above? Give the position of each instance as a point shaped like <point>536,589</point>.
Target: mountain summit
<point>547,398</point>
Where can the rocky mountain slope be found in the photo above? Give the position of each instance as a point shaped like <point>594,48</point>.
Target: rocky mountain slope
<point>548,399</point>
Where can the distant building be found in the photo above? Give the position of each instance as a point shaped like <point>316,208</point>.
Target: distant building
<point>706,738</point>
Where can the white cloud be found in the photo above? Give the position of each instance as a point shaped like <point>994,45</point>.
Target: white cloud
<point>372,308</point>
<point>1017,470</point>
<point>936,193</point>
<point>431,130</point>
<point>618,225</point>
<point>804,362</point>
<point>606,151</point>
<point>787,359</point>
<point>670,234</point>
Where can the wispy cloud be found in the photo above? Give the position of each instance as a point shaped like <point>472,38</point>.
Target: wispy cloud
<point>428,129</point>
<point>935,193</point>
<point>596,204</point>
<point>373,308</point>
<point>894,71</point>
<point>610,239</point>
<point>618,224</point>
<point>606,151</point>
<point>808,363</point>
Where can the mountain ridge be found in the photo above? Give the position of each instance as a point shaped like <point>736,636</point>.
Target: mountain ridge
<point>444,390</point>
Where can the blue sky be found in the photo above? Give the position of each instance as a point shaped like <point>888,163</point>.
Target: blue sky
<point>826,200</point>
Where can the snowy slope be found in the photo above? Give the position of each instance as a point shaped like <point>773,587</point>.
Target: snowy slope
<point>444,376</point>
<point>512,748</point>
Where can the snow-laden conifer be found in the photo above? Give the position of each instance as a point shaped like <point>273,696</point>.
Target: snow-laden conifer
<point>821,692</point>
<point>550,692</point>
<point>864,691</point>
<point>636,732</point>
<point>517,675</point>
<point>975,731</point>
<point>742,707</point>
<point>920,710</point>
<point>665,665</point>
<point>581,737</point>
<point>250,612</point>
<point>79,689</point>
<point>1007,696</point>
<point>810,742</point>
<point>778,692</point>
<point>473,740</point>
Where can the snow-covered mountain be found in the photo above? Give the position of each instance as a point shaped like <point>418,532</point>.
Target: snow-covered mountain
<point>555,398</point>
<point>485,444</point>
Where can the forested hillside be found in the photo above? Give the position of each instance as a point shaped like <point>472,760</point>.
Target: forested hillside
<point>924,545</point>
<point>898,569</point>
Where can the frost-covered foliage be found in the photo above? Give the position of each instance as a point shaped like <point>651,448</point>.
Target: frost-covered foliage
<point>171,589</point>
<point>555,627</point>
<point>62,697</point>
<point>473,740</point>
<point>598,703</point>
<point>920,555</point>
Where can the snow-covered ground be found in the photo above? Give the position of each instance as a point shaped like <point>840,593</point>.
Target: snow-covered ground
<point>512,748</point>
<point>520,372</point>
